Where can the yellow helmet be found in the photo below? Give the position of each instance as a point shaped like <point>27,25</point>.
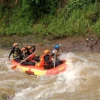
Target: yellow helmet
<point>46,52</point>
<point>29,47</point>
<point>15,44</point>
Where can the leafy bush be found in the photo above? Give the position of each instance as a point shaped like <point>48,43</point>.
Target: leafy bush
<point>44,18</point>
<point>96,28</point>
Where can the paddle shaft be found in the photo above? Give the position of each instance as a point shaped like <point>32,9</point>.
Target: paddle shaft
<point>27,58</point>
<point>54,60</point>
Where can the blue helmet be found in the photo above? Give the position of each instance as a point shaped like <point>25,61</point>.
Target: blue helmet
<point>57,46</point>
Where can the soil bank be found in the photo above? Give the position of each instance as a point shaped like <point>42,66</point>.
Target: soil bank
<point>68,44</point>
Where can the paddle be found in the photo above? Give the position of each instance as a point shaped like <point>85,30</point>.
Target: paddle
<point>54,60</point>
<point>13,67</point>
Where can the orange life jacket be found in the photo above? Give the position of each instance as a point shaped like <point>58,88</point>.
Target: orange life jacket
<point>42,61</point>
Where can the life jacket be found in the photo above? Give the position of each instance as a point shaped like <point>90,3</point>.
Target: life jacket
<point>32,56</point>
<point>43,62</point>
<point>16,53</point>
<point>24,56</point>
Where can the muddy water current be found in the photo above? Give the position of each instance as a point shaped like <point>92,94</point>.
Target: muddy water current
<point>81,80</point>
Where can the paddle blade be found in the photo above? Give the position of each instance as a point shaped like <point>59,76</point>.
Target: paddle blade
<point>13,67</point>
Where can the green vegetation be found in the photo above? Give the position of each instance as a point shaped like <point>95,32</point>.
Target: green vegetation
<point>50,18</point>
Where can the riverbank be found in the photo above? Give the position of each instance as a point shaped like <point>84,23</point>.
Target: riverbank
<point>69,44</point>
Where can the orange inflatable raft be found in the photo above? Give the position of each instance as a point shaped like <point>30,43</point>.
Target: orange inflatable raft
<point>40,71</point>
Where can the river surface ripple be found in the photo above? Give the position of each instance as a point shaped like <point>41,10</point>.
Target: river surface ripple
<point>81,81</point>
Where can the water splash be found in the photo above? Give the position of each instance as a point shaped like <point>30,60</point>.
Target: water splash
<point>82,73</point>
<point>75,72</point>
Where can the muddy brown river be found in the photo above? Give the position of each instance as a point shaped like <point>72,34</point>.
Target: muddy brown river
<point>81,81</point>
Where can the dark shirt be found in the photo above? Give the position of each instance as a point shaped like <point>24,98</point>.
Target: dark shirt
<point>13,50</point>
<point>47,59</point>
<point>23,56</point>
<point>33,48</point>
<point>28,53</point>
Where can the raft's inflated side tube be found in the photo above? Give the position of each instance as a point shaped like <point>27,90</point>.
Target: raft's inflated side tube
<point>39,71</point>
<point>57,70</point>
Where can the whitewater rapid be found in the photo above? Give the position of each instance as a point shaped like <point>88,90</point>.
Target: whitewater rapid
<point>81,80</point>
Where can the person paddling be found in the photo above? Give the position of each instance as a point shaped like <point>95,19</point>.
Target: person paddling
<point>32,50</point>
<point>15,51</point>
<point>23,56</point>
<point>46,60</point>
<point>56,51</point>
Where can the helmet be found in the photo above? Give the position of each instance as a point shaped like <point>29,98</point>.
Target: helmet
<point>23,49</point>
<point>57,46</point>
<point>29,47</point>
<point>15,44</point>
<point>46,51</point>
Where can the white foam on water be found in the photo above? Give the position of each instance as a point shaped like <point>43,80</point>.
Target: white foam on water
<point>72,75</point>
<point>67,81</point>
<point>3,72</point>
<point>40,92</point>
<point>6,63</point>
<point>22,95</point>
